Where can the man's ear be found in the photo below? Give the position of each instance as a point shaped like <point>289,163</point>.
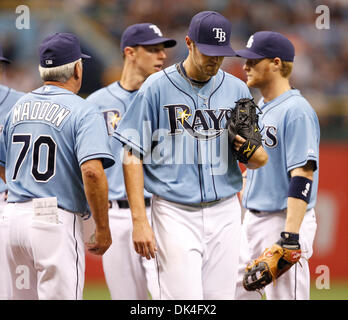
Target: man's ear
<point>188,41</point>
<point>77,70</point>
<point>277,63</point>
<point>129,52</point>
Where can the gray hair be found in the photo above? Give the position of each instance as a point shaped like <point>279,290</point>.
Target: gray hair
<point>61,73</point>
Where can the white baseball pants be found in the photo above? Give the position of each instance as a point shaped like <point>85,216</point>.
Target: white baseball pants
<point>261,231</point>
<point>198,249</point>
<point>5,291</point>
<point>128,275</point>
<point>44,252</point>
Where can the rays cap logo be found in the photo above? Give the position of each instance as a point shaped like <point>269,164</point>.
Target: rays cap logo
<point>59,49</point>
<point>144,34</point>
<point>268,44</point>
<point>211,32</point>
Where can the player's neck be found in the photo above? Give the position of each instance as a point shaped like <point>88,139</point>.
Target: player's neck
<point>274,89</point>
<point>69,85</point>
<point>193,73</point>
<point>131,79</point>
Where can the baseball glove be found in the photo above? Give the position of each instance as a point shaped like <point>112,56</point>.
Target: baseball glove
<point>244,122</point>
<point>273,262</point>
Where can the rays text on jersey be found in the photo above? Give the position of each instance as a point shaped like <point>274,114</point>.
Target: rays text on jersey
<point>205,123</point>
<point>52,113</point>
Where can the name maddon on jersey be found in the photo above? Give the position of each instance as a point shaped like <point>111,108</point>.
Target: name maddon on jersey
<point>52,113</point>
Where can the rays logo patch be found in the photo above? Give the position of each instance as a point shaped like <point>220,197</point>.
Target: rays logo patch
<point>111,117</point>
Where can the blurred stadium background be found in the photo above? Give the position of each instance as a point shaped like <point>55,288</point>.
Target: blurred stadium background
<point>320,72</point>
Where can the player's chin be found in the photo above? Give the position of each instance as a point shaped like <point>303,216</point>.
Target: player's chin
<point>212,70</point>
<point>251,83</point>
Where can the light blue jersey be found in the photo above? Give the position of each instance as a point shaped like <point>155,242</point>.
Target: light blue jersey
<point>48,135</point>
<point>178,130</point>
<point>113,102</point>
<point>8,98</point>
<point>291,137</point>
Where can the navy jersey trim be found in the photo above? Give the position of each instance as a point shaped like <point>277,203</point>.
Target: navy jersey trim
<point>130,91</point>
<point>2,162</point>
<point>7,94</point>
<point>128,142</point>
<point>194,103</point>
<point>302,163</point>
<point>211,165</point>
<point>117,98</point>
<point>106,159</point>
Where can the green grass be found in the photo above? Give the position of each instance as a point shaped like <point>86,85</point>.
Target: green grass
<point>96,291</point>
<point>337,291</point>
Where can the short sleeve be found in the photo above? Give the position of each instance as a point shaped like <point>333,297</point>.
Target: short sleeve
<point>302,142</point>
<point>92,140</point>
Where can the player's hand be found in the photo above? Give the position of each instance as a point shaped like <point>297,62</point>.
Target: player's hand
<point>144,239</point>
<point>100,241</point>
<point>238,142</point>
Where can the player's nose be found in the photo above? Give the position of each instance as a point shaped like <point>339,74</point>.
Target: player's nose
<point>162,55</point>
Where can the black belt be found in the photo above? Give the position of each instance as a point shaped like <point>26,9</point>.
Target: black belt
<point>124,204</point>
<point>254,211</point>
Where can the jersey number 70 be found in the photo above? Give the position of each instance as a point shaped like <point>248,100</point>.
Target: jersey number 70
<point>25,139</point>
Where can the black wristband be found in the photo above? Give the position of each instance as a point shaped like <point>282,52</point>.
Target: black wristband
<point>300,188</point>
<point>290,236</point>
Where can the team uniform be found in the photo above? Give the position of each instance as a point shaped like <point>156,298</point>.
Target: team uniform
<point>179,133</point>
<point>48,135</point>
<point>291,137</point>
<point>8,98</point>
<point>128,275</point>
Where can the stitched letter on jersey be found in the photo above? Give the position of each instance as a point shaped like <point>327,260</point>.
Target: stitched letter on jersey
<point>200,124</point>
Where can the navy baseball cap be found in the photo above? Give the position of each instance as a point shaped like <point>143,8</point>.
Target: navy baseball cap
<point>268,44</point>
<point>144,34</point>
<point>2,58</point>
<point>60,48</point>
<point>211,33</point>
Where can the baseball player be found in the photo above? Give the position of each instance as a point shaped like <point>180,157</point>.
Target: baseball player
<point>280,197</point>
<point>128,275</point>
<point>8,98</point>
<point>54,147</point>
<point>179,149</point>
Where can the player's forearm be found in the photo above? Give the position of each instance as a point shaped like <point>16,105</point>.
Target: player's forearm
<point>2,173</point>
<point>295,213</point>
<point>96,190</point>
<point>296,208</point>
<point>258,159</point>
<point>134,182</point>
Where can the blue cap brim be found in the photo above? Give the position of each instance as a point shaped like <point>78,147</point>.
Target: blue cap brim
<point>3,59</point>
<point>168,43</point>
<point>215,51</point>
<point>247,54</point>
